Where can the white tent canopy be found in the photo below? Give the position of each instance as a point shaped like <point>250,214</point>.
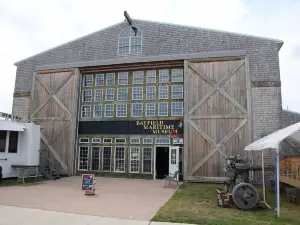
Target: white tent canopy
<point>271,142</point>
<point>11,125</point>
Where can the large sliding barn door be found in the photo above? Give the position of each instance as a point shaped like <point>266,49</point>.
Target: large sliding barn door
<point>54,107</point>
<point>217,116</point>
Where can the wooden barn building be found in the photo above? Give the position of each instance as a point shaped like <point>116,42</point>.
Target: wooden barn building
<point>108,101</point>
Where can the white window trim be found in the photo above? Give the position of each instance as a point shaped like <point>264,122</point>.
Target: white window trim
<point>173,86</point>
<point>151,86</point>
<point>129,37</point>
<point>133,76</point>
<point>78,160</point>
<point>132,109</point>
<point>106,94</point>
<point>111,155</point>
<point>96,79</point>
<point>81,112</point>
<point>83,83</point>
<point>133,94</point>
<point>99,168</point>
<point>105,111</point>
<point>107,142</point>
<point>95,111</point>
<point>151,160</point>
<point>85,90</point>
<point>153,109</point>
<point>118,94</point>
<point>80,140</point>
<point>126,78</point>
<point>178,141</point>
<point>154,76</point>
<point>107,75</point>
<point>160,92</point>
<point>159,108</point>
<point>135,159</point>
<point>120,139</point>
<point>137,143</point>
<point>148,143</point>
<point>96,138</point>
<point>125,110</point>
<point>156,139</point>
<point>181,77</point>
<point>123,159</point>
<point>101,90</point>
<point>7,144</point>
<point>162,82</point>
<point>172,109</point>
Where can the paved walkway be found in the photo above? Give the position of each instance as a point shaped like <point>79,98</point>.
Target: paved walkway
<point>10,215</point>
<point>132,199</point>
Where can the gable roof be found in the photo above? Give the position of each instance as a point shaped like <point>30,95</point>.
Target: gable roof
<point>280,42</point>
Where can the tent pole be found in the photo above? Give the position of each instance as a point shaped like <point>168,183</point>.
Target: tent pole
<point>252,161</point>
<point>278,188</point>
<point>263,175</point>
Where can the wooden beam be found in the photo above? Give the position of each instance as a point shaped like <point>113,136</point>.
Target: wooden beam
<point>42,83</point>
<point>233,101</point>
<point>224,79</point>
<point>218,147</point>
<point>55,71</point>
<point>58,134</point>
<point>21,94</point>
<point>202,101</point>
<point>292,182</point>
<point>195,56</point>
<point>207,179</point>
<point>61,105</point>
<point>217,117</point>
<point>75,121</point>
<point>52,118</point>
<point>204,160</point>
<point>249,98</point>
<point>217,87</point>
<point>65,81</point>
<point>186,123</point>
<point>231,133</point>
<point>204,135</point>
<point>55,154</point>
<point>204,77</point>
<point>40,107</point>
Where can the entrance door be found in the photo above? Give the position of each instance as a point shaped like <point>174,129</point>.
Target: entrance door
<point>162,162</point>
<point>174,160</point>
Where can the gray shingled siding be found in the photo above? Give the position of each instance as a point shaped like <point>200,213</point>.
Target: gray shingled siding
<point>159,39</point>
<point>164,39</point>
<point>288,118</point>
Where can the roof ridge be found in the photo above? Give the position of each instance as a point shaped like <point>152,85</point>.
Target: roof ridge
<point>290,111</point>
<point>209,29</point>
<point>149,21</point>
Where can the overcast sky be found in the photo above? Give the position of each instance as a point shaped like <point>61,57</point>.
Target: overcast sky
<point>31,26</point>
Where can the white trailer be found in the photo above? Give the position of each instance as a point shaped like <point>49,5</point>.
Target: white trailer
<point>19,144</point>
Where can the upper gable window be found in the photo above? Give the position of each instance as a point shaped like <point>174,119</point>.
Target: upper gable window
<point>130,42</point>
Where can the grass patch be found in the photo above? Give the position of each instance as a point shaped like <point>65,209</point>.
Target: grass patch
<point>13,181</point>
<point>197,204</point>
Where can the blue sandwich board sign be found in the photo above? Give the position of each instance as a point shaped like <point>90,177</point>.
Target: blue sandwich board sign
<point>87,182</point>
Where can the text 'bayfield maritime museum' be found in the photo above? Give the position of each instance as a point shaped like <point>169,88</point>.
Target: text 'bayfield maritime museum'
<point>108,101</point>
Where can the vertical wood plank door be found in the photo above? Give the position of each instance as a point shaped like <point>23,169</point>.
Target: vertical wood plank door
<point>54,107</point>
<point>217,116</point>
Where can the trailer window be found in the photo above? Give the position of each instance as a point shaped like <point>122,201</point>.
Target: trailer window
<point>13,142</point>
<point>2,140</point>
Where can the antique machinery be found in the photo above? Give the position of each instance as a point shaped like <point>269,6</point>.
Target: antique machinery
<point>237,188</point>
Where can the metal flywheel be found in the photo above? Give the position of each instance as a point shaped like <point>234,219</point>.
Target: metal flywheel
<point>245,196</point>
